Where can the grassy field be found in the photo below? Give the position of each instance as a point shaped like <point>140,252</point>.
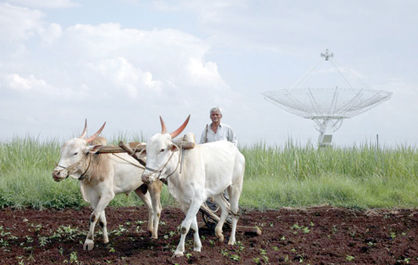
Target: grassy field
<point>276,176</point>
<point>361,177</point>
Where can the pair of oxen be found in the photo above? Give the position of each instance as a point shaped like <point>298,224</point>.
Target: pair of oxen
<point>192,176</point>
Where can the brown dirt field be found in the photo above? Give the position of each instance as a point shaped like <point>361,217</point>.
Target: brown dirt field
<point>318,235</point>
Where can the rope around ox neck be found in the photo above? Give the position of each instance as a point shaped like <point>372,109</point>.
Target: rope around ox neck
<point>160,170</point>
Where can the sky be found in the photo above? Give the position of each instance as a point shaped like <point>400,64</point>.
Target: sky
<point>127,62</point>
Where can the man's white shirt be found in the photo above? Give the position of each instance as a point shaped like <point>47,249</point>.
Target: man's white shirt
<point>224,132</point>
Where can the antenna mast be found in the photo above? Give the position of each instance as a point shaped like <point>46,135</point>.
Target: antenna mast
<point>327,55</point>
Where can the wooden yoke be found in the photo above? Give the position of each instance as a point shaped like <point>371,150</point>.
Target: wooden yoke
<point>137,147</point>
<point>187,142</point>
<point>109,149</point>
<point>132,149</point>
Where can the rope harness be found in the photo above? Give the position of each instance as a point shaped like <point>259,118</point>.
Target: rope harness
<point>160,170</point>
<point>71,168</point>
<point>131,163</point>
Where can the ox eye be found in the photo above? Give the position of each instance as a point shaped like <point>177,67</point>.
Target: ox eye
<point>162,150</point>
<point>76,153</point>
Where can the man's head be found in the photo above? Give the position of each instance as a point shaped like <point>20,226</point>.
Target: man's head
<point>216,115</point>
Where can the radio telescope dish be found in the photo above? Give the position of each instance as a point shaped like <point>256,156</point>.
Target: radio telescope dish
<point>314,98</point>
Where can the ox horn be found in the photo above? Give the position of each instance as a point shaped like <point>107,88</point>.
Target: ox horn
<point>91,138</point>
<point>163,128</point>
<point>83,134</point>
<point>180,129</point>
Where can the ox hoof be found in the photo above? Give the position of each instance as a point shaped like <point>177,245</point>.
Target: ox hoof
<point>105,238</point>
<point>220,237</point>
<point>197,246</point>
<point>230,242</point>
<point>197,249</point>
<point>178,254</point>
<point>88,245</point>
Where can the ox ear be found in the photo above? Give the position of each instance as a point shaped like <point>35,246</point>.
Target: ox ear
<point>94,149</point>
<point>180,129</point>
<point>173,148</point>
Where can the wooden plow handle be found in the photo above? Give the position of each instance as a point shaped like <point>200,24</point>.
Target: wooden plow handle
<point>246,229</point>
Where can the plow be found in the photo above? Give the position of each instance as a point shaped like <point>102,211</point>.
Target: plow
<point>209,216</point>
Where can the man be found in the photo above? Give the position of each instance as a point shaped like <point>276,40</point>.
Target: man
<point>217,131</point>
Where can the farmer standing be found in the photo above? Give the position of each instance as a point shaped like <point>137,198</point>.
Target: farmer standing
<point>217,131</point>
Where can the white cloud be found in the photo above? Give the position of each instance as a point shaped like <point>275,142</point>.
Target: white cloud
<point>107,61</point>
<point>31,86</point>
<point>149,82</point>
<point>50,33</point>
<point>202,71</point>
<point>123,74</point>
<point>22,84</point>
<point>155,62</point>
<point>45,4</point>
<point>18,23</point>
<point>208,11</point>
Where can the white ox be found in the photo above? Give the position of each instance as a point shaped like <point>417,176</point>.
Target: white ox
<point>204,171</point>
<point>102,176</point>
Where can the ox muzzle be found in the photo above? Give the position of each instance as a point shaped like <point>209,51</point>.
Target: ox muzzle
<point>60,173</point>
<point>150,175</point>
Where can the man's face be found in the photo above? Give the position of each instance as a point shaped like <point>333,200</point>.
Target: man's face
<point>215,116</point>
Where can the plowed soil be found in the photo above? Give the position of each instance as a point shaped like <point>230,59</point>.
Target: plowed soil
<point>318,235</point>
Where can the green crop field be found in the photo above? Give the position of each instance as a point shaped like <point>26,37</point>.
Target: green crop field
<point>276,176</point>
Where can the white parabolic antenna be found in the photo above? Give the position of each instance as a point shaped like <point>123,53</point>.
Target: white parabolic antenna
<point>325,96</point>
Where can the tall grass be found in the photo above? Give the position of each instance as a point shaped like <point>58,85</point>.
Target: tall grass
<point>276,176</point>
<point>361,176</point>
